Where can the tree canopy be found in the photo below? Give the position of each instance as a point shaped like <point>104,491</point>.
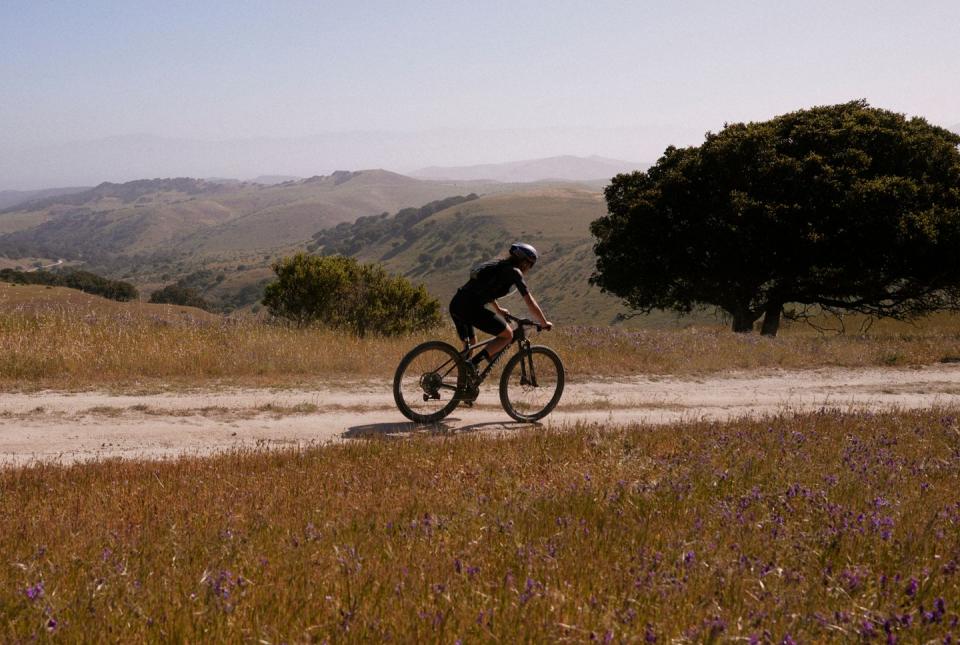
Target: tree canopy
<point>845,207</point>
<point>342,293</point>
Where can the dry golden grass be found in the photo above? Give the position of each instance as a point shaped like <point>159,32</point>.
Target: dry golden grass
<point>70,348</point>
<point>77,347</point>
<point>39,299</point>
<point>819,527</point>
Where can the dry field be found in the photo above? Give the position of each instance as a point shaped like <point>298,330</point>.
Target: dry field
<point>810,528</point>
<point>791,527</point>
<point>89,344</point>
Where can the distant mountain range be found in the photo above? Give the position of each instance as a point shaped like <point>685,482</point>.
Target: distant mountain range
<point>10,198</point>
<point>562,168</point>
<point>130,157</point>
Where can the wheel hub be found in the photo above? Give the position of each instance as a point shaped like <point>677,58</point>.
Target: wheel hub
<point>430,384</point>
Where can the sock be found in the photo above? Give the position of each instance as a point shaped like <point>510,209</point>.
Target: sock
<point>479,357</point>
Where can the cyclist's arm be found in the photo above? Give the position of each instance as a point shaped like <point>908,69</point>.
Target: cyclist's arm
<point>496,307</point>
<point>537,311</point>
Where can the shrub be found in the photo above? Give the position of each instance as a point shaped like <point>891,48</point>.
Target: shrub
<point>342,293</point>
<point>175,294</point>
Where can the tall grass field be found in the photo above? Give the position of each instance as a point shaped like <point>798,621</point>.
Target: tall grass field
<point>819,527</point>
<point>81,348</point>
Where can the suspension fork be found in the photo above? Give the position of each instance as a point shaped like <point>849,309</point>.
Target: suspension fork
<point>527,374</point>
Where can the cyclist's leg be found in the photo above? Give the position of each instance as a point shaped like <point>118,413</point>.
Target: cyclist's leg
<point>503,339</point>
<point>465,331</point>
<point>485,320</point>
<point>458,312</point>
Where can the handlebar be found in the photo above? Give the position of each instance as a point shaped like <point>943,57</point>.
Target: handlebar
<point>523,322</point>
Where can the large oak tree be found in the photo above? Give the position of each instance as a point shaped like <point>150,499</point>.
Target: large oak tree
<point>846,207</point>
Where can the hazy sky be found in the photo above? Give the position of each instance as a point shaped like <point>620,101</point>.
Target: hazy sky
<point>214,70</point>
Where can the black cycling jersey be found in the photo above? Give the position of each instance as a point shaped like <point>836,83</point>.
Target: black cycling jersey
<point>494,279</point>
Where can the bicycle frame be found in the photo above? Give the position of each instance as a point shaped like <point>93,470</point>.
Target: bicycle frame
<point>523,345</point>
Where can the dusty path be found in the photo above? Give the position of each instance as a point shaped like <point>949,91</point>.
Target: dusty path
<point>77,426</point>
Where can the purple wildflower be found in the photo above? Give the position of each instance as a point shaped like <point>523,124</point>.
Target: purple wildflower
<point>35,591</point>
<point>912,587</point>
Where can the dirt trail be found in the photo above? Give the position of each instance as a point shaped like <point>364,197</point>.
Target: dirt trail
<point>66,427</point>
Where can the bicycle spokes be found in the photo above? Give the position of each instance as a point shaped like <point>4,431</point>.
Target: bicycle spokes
<point>427,382</point>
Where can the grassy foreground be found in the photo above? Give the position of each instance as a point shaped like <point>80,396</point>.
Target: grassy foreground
<point>82,348</point>
<point>820,527</point>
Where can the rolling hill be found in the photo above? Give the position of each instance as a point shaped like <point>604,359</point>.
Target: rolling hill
<point>32,299</point>
<point>438,248</point>
<point>10,198</point>
<point>221,238</point>
<point>192,218</point>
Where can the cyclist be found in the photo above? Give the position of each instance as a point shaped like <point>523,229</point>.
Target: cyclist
<point>489,281</point>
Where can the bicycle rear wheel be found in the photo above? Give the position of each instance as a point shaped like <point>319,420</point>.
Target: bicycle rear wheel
<point>532,383</point>
<point>427,382</point>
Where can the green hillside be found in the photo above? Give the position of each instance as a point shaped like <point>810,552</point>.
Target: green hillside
<point>191,218</point>
<point>220,239</point>
<point>440,248</point>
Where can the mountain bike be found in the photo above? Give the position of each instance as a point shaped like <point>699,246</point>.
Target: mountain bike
<point>434,378</point>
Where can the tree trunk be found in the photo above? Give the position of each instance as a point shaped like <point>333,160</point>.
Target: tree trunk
<point>771,320</point>
<point>743,321</point>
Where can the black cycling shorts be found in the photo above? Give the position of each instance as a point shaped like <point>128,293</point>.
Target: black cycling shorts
<point>468,313</point>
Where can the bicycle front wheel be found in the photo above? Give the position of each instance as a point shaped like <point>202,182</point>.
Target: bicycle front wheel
<point>532,383</point>
<point>427,382</point>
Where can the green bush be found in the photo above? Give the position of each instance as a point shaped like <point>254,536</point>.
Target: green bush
<point>342,293</point>
<point>176,294</point>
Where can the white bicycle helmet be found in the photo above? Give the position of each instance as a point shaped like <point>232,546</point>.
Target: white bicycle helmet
<point>523,251</point>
